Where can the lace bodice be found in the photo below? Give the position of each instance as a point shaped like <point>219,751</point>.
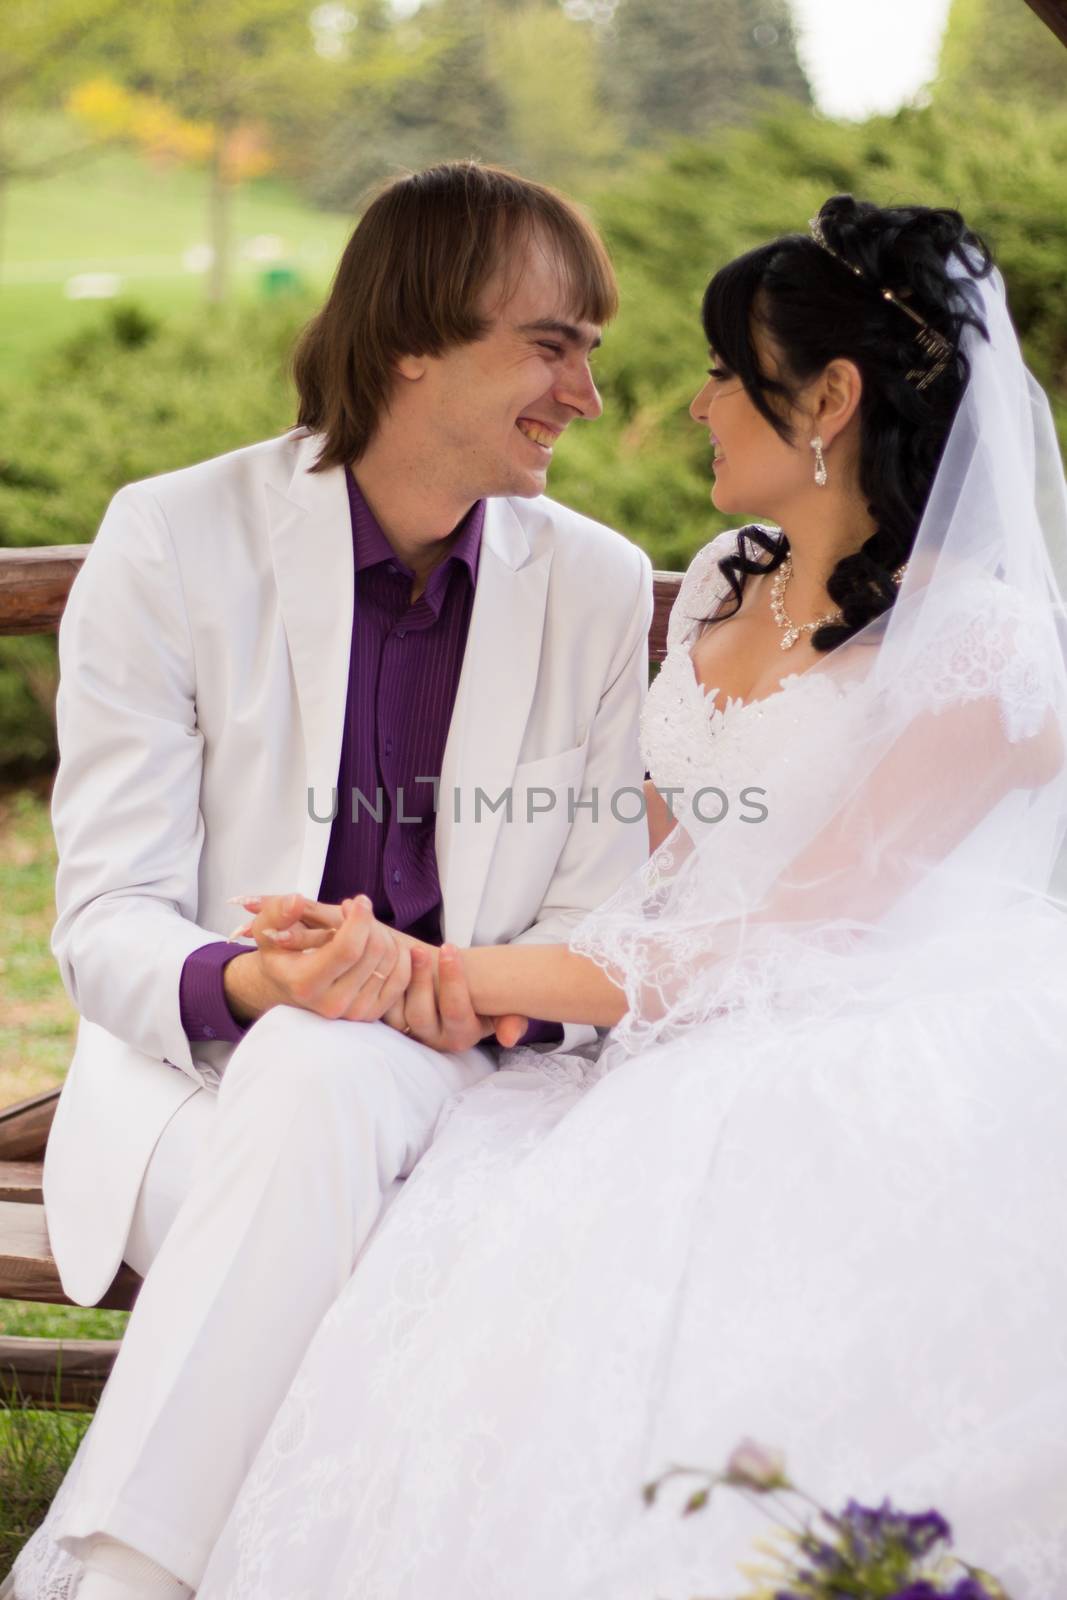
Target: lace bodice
<point>797,735</point>
<point>691,742</point>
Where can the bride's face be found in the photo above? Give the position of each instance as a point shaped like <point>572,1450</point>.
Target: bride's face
<point>756,471</point>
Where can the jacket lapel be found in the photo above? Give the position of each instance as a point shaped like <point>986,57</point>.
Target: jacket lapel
<point>311,546</point>
<point>493,700</point>
<point>310,530</point>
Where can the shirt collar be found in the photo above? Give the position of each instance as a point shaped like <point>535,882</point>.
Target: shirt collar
<point>371,546</point>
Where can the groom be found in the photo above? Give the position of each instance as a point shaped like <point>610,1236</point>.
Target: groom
<point>319,663</point>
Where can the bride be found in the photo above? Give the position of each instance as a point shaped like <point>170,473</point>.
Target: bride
<point>812,1184</point>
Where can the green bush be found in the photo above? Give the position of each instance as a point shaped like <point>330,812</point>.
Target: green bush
<point>674,220</point>
<point>134,397</point>
<point>131,397</point>
<point>128,398</point>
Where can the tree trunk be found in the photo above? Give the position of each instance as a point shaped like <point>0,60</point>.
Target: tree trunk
<point>4,182</point>
<point>221,194</point>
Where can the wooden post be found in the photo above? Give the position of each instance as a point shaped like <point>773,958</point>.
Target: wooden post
<point>1053,14</point>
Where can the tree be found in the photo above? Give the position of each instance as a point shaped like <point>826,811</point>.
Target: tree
<point>433,97</point>
<point>684,68</point>
<point>547,68</point>
<point>223,82</point>
<point>42,41</point>
<point>217,64</point>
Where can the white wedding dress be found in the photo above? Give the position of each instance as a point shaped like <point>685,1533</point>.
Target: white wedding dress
<point>838,1227</point>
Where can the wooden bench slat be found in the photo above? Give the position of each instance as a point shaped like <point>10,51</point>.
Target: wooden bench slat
<point>55,1374</point>
<point>34,584</point>
<point>21,1181</point>
<point>27,1270</point>
<point>24,1127</point>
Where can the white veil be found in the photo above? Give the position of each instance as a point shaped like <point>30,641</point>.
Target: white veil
<point>936,814</point>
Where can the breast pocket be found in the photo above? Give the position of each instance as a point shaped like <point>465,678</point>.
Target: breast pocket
<point>544,792</point>
<point>533,832</point>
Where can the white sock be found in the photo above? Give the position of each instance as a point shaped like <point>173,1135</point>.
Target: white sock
<point>114,1571</point>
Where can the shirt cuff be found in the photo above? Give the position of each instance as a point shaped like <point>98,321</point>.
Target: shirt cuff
<point>205,1012</point>
<point>543,1033</point>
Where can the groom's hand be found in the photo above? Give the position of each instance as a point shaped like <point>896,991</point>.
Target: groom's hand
<point>353,971</point>
<point>441,1015</point>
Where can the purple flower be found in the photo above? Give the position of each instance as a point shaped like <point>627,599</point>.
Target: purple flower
<point>871,1529</point>
<point>965,1589</point>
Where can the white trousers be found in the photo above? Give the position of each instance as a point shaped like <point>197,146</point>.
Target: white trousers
<point>258,1201</point>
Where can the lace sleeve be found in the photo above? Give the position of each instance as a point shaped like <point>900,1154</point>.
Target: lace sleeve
<point>702,588</point>
<point>943,790</point>
<point>990,648</point>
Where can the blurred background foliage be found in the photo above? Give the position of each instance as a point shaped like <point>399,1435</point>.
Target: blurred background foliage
<point>177,182</point>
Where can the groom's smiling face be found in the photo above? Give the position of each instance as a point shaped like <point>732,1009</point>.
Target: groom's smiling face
<point>495,409</point>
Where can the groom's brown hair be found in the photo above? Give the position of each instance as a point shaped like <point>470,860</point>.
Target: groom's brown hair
<point>409,282</point>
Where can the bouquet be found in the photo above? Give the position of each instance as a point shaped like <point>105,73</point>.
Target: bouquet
<point>866,1552</point>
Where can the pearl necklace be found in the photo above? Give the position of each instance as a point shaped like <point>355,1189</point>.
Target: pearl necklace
<point>793,630</point>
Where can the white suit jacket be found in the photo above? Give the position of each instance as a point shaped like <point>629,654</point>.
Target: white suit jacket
<point>204,671</point>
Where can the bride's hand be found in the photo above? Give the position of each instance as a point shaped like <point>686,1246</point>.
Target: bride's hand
<point>296,923</point>
<point>441,1014</point>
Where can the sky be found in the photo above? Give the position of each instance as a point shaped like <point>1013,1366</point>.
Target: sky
<point>865,56</point>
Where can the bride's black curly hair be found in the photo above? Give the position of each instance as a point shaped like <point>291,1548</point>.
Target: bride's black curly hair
<point>816,310</point>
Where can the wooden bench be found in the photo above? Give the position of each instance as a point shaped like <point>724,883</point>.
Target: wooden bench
<point>53,1373</point>
<point>34,584</point>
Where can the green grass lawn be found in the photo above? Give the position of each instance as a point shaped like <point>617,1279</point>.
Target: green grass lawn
<point>118,213</point>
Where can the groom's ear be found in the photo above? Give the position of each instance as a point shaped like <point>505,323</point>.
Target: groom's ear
<point>412,368</point>
<point>838,398</point>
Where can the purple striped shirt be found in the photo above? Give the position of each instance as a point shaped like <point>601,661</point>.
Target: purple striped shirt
<point>402,679</point>
<point>404,667</point>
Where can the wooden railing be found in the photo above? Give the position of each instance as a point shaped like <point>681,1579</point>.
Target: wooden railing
<point>34,584</point>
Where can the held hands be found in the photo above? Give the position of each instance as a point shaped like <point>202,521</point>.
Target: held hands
<point>442,1015</point>
<point>340,962</point>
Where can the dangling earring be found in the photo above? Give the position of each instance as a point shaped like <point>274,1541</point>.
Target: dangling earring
<point>820,462</point>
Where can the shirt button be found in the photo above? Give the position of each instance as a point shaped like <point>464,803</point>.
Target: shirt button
<point>388,747</point>
<point>209,1033</point>
<point>396,874</point>
<point>401,633</point>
